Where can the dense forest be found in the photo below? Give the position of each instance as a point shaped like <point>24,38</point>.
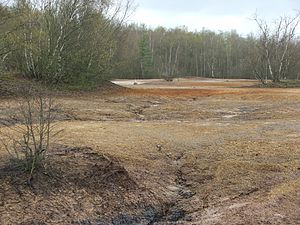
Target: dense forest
<point>177,52</point>
<point>86,41</point>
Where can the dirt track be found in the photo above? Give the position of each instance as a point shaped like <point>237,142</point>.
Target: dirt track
<point>206,152</point>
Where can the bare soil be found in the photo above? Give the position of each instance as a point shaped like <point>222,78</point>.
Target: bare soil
<point>191,151</point>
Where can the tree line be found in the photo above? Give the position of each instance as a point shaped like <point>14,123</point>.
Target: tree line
<point>162,52</point>
<point>86,41</point>
<point>270,54</point>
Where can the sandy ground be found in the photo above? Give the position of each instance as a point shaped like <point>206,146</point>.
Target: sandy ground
<point>184,83</point>
<point>208,152</point>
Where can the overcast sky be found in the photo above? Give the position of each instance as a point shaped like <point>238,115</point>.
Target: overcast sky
<point>216,15</point>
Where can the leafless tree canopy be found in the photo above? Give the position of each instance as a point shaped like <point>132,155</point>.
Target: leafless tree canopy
<point>30,130</point>
<point>275,45</point>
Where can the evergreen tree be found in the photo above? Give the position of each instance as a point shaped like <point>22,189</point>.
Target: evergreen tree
<point>146,62</point>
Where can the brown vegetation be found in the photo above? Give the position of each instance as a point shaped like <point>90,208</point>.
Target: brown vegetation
<point>211,155</point>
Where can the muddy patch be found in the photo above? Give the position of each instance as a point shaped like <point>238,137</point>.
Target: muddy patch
<point>78,186</point>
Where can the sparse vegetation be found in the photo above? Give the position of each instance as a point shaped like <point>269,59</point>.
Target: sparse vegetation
<point>282,84</point>
<point>30,130</point>
<point>155,148</point>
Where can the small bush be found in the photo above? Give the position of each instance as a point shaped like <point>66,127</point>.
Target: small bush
<point>30,130</point>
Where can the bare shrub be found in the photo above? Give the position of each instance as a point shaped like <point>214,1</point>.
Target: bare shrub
<point>29,130</point>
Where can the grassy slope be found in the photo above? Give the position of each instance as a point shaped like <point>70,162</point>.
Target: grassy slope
<point>11,86</point>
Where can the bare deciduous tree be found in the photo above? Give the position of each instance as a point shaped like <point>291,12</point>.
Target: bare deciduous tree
<point>275,45</point>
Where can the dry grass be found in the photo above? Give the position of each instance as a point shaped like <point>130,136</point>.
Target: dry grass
<point>227,156</point>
